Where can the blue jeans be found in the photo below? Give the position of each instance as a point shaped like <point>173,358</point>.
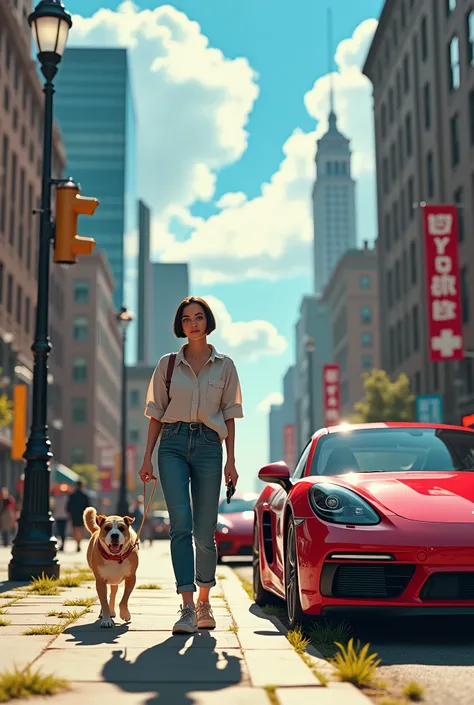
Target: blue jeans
<point>191,453</point>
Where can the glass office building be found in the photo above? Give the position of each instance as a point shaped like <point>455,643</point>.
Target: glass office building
<point>95,112</point>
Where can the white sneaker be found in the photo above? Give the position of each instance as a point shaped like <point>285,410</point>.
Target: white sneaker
<point>186,624</point>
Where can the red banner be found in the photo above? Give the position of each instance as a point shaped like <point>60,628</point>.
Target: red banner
<point>332,395</point>
<point>289,445</point>
<point>443,283</point>
<point>106,468</point>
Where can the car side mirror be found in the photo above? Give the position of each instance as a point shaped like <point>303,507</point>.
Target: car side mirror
<point>276,474</point>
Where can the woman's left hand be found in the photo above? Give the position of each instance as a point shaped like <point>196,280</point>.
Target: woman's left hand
<point>230,473</point>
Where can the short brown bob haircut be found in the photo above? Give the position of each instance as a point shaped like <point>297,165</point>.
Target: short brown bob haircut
<point>178,323</point>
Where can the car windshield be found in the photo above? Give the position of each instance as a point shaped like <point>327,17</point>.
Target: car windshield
<point>394,450</point>
<point>236,506</point>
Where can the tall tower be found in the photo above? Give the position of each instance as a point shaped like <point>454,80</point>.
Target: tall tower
<point>333,196</point>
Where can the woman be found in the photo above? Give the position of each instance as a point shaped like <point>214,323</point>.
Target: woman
<point>193,401</point>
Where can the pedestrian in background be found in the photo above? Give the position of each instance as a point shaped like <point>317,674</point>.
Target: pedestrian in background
<point>60,514</point>
<point>77,503</point>
<point>193,400</point>
<point>7,516</point>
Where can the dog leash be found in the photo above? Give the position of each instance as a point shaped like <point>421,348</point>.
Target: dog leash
<point>147,509</point>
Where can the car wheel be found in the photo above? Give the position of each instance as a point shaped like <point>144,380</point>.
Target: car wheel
<point>261,596</point>
<point>295,613</point>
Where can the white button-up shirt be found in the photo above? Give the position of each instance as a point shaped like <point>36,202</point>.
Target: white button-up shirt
<point>212,397</point>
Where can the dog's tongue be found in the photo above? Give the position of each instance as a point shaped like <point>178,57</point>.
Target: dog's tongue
<point>114,548</point>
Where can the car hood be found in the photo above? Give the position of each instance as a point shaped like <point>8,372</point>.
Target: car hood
<point>241,522</point>
<point>435,497</point>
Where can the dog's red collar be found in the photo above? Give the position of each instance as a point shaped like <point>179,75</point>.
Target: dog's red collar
<point>120,557</point>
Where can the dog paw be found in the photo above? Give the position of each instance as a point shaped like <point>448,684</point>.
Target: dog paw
<point>125,613</point>
<point>106,623</point>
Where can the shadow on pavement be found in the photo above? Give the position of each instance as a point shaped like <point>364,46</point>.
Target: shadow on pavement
<point>93,635</point>
<point>435,641</point>
<point>174,671</point>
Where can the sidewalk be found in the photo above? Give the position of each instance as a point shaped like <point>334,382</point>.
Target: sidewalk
<point>247,660</point>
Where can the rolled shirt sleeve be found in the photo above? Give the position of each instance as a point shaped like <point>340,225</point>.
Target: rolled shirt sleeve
<point>157,397</point>
<point>232,394</point>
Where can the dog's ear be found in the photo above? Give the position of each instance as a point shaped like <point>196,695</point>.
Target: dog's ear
<point>100,519</point>
<point>128,520</point>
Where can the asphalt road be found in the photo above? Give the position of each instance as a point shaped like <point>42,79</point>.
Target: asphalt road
<point>438,653</point>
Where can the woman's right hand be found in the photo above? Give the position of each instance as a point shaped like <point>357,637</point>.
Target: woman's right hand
<point>146,471</point>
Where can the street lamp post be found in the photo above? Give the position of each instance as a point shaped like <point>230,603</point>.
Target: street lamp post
<point>124,318</point>
<point>34,548</point>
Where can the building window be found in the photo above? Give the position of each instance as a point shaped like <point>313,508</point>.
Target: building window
<point>78,455</point>
<point>464,295</point>
<point>408,135</point>
<point>415,329</point>
<point>427,102</point>
<point>367,362</point>
<point>390,288</point>
<point>406,75</point>
<point>385,178</point>
<point>458,195</point>
<point>403,14</point>
<point>393,162</point>
<point>365,314</point>
<point>79,410</point>
<point>134,398</point>
<point>364,282</point>
<point>471,116</point>
<point>19,303</point>
<point>424,39</point>
<point>450,6</point>
<point>383,121</point>
<point>455,137</point>
<point>79,369</point>
<point>470,37</point>
<point>10,294</point>
<point>366,340</point>
<point>429,175</point>
<point>134,436</point>
<point>27,314</point>
<point>454,66</point>
<point>80,329</point>
<point>411,197</point>
<point>391,110</point>
<point>388,231</point>
<point>81,291</point>
<point>413,267</point>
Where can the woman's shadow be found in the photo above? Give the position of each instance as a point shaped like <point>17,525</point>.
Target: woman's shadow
<point>175,668</point>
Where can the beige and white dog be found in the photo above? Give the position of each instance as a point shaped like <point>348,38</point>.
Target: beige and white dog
<point>112,556</point>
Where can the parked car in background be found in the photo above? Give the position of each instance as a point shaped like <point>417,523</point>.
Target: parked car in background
<point>235,526</point>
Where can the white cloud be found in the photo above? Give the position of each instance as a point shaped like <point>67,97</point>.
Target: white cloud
<point>192,103</point>
<point>274,398</point>
<point>245,341</point>
<point>269,237</point>
<point>231,200</point>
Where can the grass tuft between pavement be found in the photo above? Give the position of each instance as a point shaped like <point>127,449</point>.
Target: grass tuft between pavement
<point>18,684</point>
<point>149,586</point>
<point>414,692</point>
<point>272,696</point>
<point>354,664</point>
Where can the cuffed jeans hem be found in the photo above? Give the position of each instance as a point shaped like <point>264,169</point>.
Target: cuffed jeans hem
<point>206,585</point>
<point>186,588</point>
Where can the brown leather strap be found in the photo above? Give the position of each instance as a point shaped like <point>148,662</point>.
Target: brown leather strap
<point>169,374</point>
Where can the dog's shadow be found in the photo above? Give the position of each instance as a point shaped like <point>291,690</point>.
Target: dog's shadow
<point>93,635</point>
<point>173,670</point>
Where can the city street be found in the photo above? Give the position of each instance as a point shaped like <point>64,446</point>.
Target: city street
<point>438,653</point>
<point>246,660</point>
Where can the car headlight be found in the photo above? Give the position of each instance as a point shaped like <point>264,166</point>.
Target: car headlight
<point>222,528</point>
<point>341,506</point>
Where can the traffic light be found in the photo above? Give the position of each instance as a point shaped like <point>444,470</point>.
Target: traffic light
<point>69,205</point>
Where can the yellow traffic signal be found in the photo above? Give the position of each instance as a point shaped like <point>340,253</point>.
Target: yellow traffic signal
<point>69,205</point>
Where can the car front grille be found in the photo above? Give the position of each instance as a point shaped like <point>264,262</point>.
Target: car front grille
<point>448,586</point>
<point>367,581</point>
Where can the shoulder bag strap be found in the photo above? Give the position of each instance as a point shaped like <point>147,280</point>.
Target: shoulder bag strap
<point>169,374</point>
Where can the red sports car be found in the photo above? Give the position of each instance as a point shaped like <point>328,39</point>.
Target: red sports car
<point>374,517</point>
<point>234,534</point>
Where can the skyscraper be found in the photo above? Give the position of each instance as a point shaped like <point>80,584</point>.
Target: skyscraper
<point>143,283</point>
<point>333,202</point>
<point>94,108</point>
<point>170,285</point>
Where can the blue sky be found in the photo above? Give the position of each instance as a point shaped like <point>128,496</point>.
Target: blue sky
<point>223,123</point>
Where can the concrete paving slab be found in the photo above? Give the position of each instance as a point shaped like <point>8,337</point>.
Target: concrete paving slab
<point>28,620</point>
<point>278,668</point>
<point>141,622</point>
<point>265,639</point>
<point>102,638</point>
<point>21,652</point>
<point>159,664</point>
<point>35,610</point>
<point>333,694</point>
<point>189,694</point>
